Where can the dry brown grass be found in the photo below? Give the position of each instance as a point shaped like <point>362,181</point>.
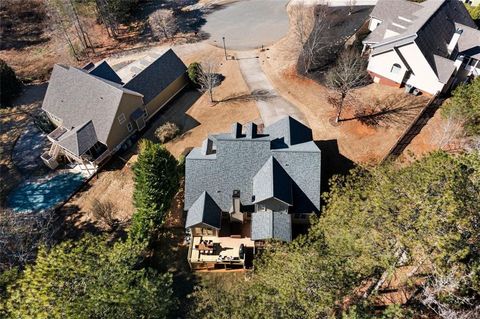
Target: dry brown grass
<point>357,141</point>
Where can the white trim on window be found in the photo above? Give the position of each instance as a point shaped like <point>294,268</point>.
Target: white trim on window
<point>121,119</point>
<point>396,68</point>
<point>130,126</point>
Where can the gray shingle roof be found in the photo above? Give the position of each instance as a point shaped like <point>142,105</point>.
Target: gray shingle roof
<point>157,75</point>
<point>272,225</point>
<point>77,97</point>
<point>94,93</point>
<point>430,25</point>
<point>104,71</point>
<point>290,130</point>
<point>237,160</point>
<point>444,67</point>
<point>204,212</point>
<point>272,181</point>
<point>469,42</point>
<point>80,139</point>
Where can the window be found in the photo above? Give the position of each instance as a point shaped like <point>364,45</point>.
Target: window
<point>472,62</point>
<point>129,126</point>
<point>261,208</point>
<point>396,68</point>
<point>121,119</point>
<point>145,113</point>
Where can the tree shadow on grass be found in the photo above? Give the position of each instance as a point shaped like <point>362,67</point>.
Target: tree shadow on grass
<point>399,109</point>
<point>255,95</point>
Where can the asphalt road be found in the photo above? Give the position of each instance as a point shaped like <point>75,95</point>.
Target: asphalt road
<point>248,24</point>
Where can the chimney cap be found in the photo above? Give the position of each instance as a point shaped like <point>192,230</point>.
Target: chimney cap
<point>251,130</point>
<point>236,130</point>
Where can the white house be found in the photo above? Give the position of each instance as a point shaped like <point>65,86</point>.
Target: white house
<point>430,46</point>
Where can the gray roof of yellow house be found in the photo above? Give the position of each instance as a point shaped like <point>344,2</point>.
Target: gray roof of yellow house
<point>234,161</point>
<point>105,71</point>
<point>76,97</point>
<point>272,225</point>
<point>94,93</point>
<point>80,139</point>
<point>430,24</point>
<point>204,212</point>
<point>154,74</point>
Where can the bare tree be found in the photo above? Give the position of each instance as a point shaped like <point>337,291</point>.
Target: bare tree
<point>349,72</point>
<point>309,27</point>
<point>448,132</point>
<point>163,23</point>
<point>208,77</point>
<point>441,295</point>
<point>60,27</point>
<point>22,233</point>
<point>107,18</point>
<point>65,18</point>
<point>105,213</point>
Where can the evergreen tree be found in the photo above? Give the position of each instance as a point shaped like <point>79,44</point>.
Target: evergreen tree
<point>156,182</point>
<point>425,216</point>
<point>90,279</point>
<point>464,105</point>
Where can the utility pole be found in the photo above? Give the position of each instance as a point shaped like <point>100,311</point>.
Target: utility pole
<point>225,49</point>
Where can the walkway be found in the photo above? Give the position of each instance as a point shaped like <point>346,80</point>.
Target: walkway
<point>273,108</point>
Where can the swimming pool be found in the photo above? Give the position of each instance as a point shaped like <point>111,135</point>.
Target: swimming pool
<point>37,196</point>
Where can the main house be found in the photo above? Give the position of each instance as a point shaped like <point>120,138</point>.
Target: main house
<point>248,186</point>
<point>430,46</point>
<point>96,109</point>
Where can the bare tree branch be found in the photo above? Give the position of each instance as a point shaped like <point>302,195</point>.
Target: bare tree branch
<point>208,77</point>
<point>163,23</point>
<point>349,72</point>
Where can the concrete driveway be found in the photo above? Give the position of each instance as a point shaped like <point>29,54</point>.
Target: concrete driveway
<point>248,24</point>
<point>274,107</point>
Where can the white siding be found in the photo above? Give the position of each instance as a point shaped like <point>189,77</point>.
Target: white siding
<point>423,76</point>
<point>382,64</point>
<point>374,23</point>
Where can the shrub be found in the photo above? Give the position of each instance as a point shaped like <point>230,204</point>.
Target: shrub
<point>104,212</point>
<point>10,85</point>
<point>194,70</point>
<point>167,132</point>
<point>474,12</point>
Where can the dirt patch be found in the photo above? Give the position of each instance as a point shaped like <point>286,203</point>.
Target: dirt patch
<point>113,184</point>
